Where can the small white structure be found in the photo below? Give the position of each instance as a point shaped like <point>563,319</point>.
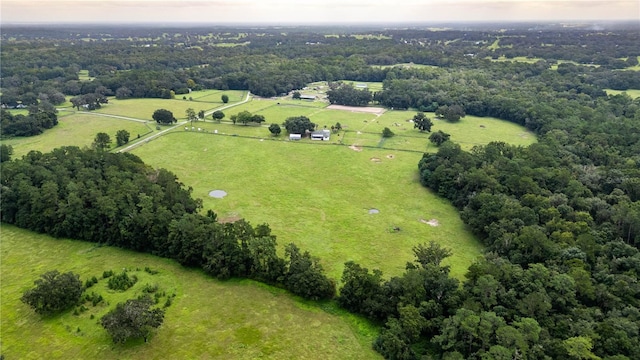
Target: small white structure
<point>295,136</point>
<point>323,135</point>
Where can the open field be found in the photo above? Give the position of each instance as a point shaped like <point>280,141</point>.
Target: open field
<point>319,197</point>
<point>634,93</point>
<point>468,132</point>
<point>208,319</point>
<point>78,130</point>
<point>144,108</point>
<point>405,65</point>
<point>316,196</point>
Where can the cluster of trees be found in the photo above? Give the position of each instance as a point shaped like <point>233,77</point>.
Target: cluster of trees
<point>102,141</point>
<point>346,94</point>
<point>90,101</point>
<point>55,292</point>
<point>299,125</point>
<point>163,116</point>
<point>245,117</point>
<point>35,122</point>
<point>116,199</point>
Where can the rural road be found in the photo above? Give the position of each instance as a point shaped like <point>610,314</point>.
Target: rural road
<point>146,140</point>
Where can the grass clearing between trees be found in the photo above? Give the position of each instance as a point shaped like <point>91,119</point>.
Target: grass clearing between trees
<point>207,318</point>
<point>634,93</point>
<point>319,196</point>
<point>76,130</point>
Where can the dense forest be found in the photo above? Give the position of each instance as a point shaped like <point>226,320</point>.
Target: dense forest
<point>560,219</point>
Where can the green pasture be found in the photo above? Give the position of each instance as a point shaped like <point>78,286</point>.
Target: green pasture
<point>143,108</point>
<point>319,197</point>
<point>207,319</point>
<point>634,93</point>
<point>215,96</point>
<point>364,129</point>
<point>78,130</point>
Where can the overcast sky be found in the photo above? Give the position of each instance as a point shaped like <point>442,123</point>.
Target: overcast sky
<point>312,11</point>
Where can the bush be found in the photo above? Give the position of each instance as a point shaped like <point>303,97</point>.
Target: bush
<point>122,281</point>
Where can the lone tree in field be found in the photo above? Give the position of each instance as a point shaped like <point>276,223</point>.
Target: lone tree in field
<point>201,114</point>
<point>101,141</point>
<point>225,98</point>
<point>191,115</point>
<point>387,133</point>
<point>422,122</point>
<point>275,129</point>
<point>298,125</point>
<point>133,319</point>
<point>258,119</point>
<point>122,137</point>
<point>439,137</point>
<point>54,292</point>
<point>217,115</point>
<point>162,116</point>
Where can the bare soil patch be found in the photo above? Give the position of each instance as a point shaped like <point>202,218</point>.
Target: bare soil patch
<point>369,110</point>
<point>432,222</point>
<point>375,159</point>
<point>390,156</point>
<point>355,148</point>
<point>229,219</point>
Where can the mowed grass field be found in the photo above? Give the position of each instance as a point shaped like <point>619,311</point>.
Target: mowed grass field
<point>319,197</point>
<point>143,108</point>
<point>207,319</point>
<point>78,129</point>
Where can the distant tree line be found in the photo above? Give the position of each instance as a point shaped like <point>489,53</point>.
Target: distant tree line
<point>274,63</point>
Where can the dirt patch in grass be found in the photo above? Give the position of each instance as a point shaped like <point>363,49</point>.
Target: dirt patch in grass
<point>390,156</point>
<point>355,148</point>
<point>375,159</point>
<point>369,110</point>
<point>229,219</point>
<point>432,222</point>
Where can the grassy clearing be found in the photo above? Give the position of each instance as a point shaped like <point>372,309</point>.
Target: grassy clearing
<point>319,196</point>
<point>78,130</point>
<point>207,319</point>
<point>144,108</point>
<point>634,93</point>
<point>83,75</point>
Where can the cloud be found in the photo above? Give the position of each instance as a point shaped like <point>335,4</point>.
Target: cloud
<point>299,11</point>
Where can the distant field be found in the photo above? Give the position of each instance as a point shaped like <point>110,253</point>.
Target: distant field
<point>406,65</point>
<point>77,130</point>
<point>144,108</point>
<point>207,319</point>
<point>634,93</point>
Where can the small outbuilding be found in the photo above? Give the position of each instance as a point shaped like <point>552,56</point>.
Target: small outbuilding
<point>295,136</point>
<point>323,135</point>
<point>307,97</point>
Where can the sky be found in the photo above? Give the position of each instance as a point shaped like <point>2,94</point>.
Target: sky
<point>283,12</point>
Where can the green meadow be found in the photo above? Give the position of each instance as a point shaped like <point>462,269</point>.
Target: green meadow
<point>144,108</point>
<point>634,93</point>
<point>319,197</point>
<point>356,197</point>
<point>77,130</point>
<point>207,319</point>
